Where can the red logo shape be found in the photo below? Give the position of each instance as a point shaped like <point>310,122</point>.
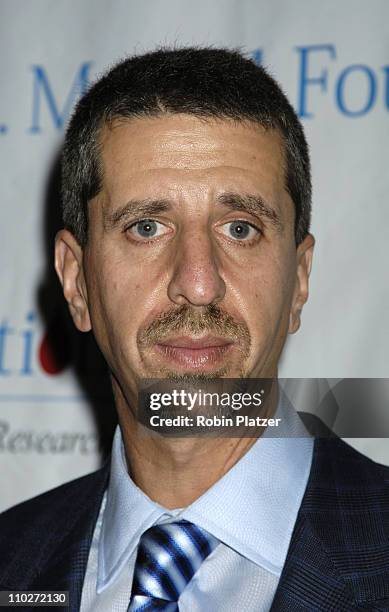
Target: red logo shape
<point>54,353</point>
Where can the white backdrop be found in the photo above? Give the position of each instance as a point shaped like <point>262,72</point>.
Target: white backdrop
<point>331,58</point>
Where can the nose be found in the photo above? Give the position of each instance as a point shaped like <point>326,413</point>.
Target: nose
<point>195,278</point>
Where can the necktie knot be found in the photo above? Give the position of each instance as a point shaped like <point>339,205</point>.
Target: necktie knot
<point>168,557</point>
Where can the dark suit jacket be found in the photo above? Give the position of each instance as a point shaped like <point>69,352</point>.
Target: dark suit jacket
<point>338,558</point>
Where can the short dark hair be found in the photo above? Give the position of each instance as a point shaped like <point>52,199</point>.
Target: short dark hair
<point>205,82</point>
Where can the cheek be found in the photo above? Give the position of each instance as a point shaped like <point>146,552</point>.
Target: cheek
<point>121,294</point>
<point>268,298</point>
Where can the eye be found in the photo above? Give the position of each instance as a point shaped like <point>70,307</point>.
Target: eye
<point>146,229</point>
<point>240,230</point>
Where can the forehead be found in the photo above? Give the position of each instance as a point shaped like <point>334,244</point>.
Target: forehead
<point>171,154</point>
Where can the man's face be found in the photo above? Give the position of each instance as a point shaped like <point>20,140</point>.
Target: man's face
<point>191,266</point>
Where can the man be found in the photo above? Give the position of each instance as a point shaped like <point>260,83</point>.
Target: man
<point>186,250</point>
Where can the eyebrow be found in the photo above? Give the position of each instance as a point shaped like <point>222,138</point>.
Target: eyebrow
<point>253,204</point>
<point>250,203</point>
<point>137,208</point>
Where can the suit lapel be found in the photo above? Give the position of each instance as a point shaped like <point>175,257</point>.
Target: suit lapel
<point>309,580</point>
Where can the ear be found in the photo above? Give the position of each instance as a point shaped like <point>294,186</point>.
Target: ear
<point>301,290</point>
<point>69,267</point>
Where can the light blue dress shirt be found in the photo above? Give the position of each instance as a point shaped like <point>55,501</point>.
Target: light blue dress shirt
<point>252,510</point>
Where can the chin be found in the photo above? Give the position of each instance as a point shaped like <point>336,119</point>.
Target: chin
<point>197,375</point>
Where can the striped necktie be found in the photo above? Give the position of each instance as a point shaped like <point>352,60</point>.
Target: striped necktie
<point>168,557</point>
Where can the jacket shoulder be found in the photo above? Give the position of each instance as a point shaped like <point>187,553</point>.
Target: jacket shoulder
<point>40,507</point>
<point>31,531</point>
<point>337,461</point>
<point>349,486</point>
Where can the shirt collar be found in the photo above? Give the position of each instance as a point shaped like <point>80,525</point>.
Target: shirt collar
<point>252,508</point>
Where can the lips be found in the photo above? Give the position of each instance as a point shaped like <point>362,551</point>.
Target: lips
<point>196,343</point>
<point>194,353</point>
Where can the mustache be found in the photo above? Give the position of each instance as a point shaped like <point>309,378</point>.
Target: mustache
<point>185,320</point>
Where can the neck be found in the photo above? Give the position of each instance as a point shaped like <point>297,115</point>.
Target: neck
<point>174,472</point>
